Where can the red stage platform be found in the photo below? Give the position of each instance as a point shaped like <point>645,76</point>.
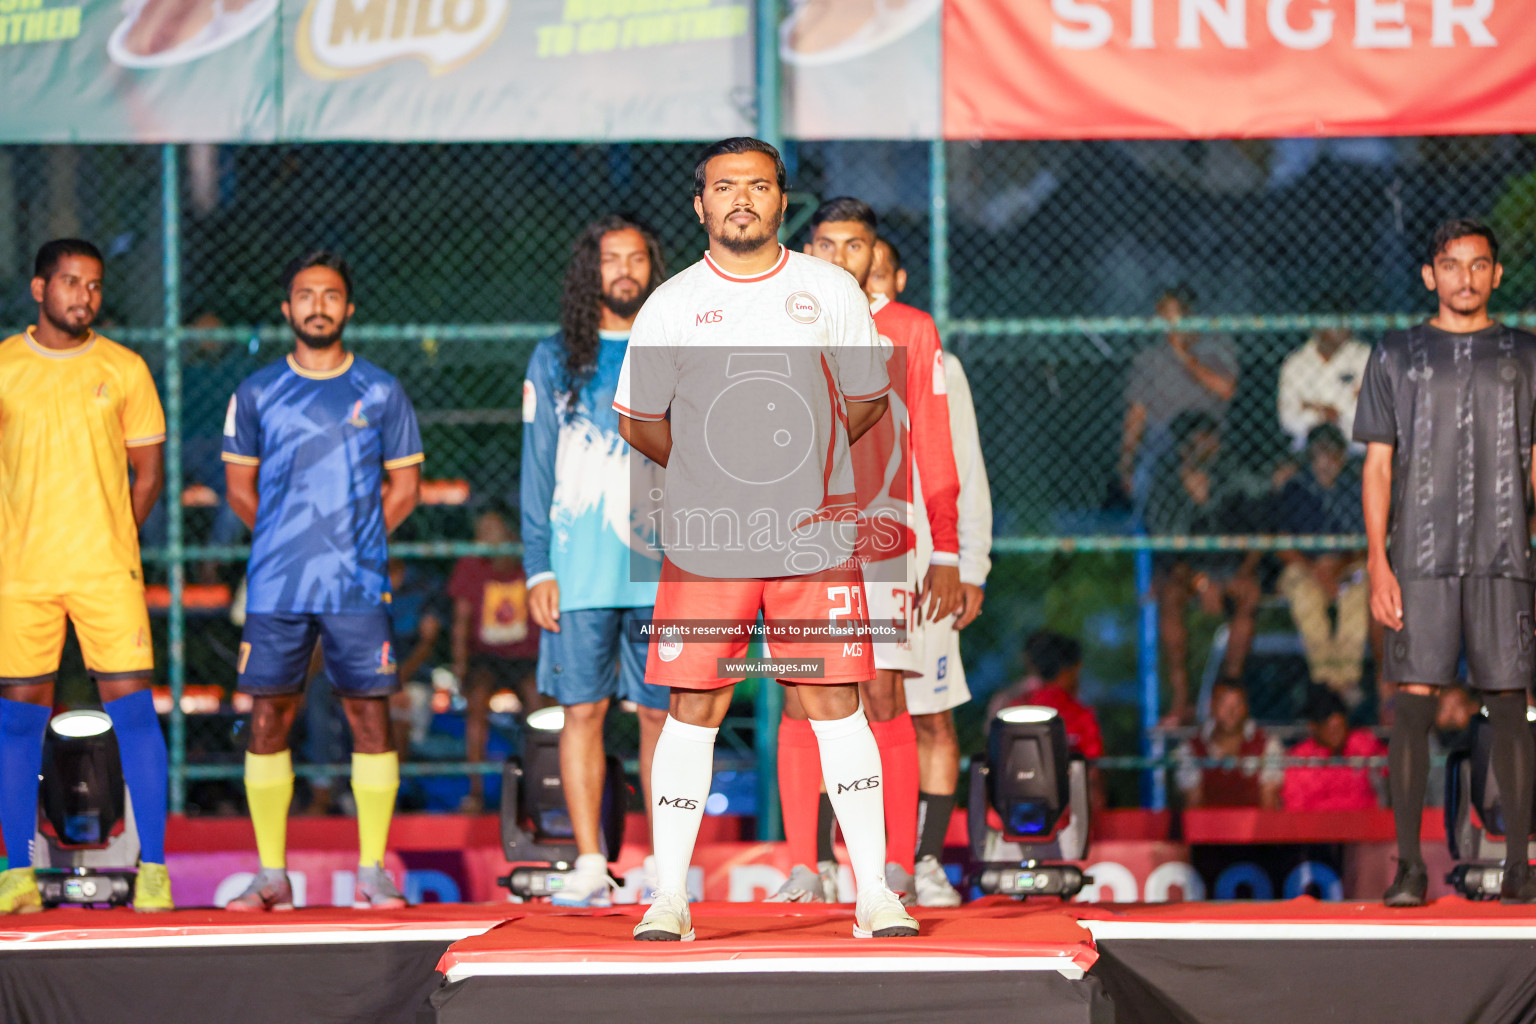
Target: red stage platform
<point>993,961</point>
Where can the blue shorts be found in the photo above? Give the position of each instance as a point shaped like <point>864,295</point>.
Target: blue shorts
<point>359,655</point>
<point>577,664</point>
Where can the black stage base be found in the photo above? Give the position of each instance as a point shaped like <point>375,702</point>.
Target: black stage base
<point>323,964</point>
<point>992,997</point>
<point>366,983</point>
<point>1320,982</point>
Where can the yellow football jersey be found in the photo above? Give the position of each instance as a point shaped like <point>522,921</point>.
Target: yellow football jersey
<point>67,419</point>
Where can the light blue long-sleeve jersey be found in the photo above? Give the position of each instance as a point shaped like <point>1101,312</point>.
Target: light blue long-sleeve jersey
<point>590,503</point>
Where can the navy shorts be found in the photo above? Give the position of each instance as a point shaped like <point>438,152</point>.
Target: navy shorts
<point>593,657</point>
<point>359,654</point>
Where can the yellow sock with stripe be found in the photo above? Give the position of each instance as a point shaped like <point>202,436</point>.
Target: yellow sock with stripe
<point>268,792</point>
<point>375,782</point>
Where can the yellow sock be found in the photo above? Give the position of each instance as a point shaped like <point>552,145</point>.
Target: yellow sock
<point>375,781</point>
<point>269,791</point>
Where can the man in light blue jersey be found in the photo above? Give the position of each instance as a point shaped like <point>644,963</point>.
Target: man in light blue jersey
<point>591,555</point>
<point>322,456</point>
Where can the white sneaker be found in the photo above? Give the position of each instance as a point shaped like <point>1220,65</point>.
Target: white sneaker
<point>880,915</point>
<point>899,882</point>
<point>802,886</point>
<point>667,920</point>
<point>826,870</point>
<point>933,888</point>
<point>587,885</point>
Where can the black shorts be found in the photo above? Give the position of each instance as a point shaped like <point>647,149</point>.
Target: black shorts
<point>504,673</point>
<point>1490,614</point>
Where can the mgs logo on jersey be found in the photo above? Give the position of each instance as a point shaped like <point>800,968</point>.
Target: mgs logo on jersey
<point>803,308</point>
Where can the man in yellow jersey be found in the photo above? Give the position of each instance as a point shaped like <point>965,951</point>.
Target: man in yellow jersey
<point>77,412</point>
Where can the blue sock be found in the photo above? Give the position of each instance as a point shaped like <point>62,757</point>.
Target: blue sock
<point>141,745</point>
<point>21,759</point>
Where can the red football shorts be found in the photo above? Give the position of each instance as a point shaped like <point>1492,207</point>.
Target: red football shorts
<point>834,595</point>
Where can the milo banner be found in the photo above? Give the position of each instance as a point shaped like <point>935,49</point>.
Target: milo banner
<point>261,70</point>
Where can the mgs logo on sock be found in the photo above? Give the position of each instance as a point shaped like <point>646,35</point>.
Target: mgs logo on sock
<point>682,803</point>
<point>859,785</point>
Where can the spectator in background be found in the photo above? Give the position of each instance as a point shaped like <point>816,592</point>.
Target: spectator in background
<point>1324,498</point>
<point>1332,787</point>
<point>1453,732</point>
<point>418,613</point>
<point>1186,373</point>
<point>1199,490</point>
<point>494,644</point>
<point>1229,732</point>
<point>1320,384</point>
<point>1055,664</point>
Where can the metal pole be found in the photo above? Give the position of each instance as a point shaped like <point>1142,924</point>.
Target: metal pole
<point>1154,786</point>
<point>170,240</point>
<point>938,232</point>
<point>769,705</point>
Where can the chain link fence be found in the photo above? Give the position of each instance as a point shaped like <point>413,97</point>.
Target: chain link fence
<point>1045,263</point>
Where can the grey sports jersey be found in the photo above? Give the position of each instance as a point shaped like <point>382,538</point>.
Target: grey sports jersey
<point>1458,409</point>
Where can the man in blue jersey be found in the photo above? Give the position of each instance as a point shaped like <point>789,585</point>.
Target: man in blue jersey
<point>329,443</point>
<point>591,556</point>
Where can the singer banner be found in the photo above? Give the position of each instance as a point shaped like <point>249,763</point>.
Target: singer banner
<point>1162,69</point>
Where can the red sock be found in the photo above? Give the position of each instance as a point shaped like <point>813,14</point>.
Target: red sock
<point>897,741</point>
<point>799,788</point>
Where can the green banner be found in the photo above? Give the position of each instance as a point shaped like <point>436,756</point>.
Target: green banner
<point>145,71</point>
<point>442,70</point>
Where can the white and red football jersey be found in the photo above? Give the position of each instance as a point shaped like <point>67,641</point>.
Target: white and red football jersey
<point>755,374</point>
<point>916,433</point>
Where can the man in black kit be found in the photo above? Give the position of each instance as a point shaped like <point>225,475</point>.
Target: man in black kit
<point>1446,409</point>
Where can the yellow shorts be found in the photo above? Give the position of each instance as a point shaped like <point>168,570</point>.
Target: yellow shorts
<point>110,620</point>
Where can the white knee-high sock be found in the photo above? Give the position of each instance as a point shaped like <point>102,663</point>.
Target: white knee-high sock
<point>681,771</point>
<point>850,765</point>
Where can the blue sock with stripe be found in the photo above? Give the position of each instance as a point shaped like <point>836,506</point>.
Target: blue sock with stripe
<point>21,760</point>
<point>141,745</point>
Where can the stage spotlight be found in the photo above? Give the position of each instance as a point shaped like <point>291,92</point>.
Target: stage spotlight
<point>87,850</point>
<point>535,822</point>
<point>1474,814</point>
<point>1029,804</point>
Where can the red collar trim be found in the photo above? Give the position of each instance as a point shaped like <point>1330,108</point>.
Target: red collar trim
<point>765,275</point>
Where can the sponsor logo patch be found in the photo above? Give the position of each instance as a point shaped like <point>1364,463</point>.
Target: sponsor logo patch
<point>803,308</point>
<point>530,401</point>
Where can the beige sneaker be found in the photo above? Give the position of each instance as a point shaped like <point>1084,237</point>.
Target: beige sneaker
<point>878,914</point>
<point>667,919</point>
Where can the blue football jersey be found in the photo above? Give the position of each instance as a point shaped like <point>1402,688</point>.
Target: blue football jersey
<point>324,443</point>
<point>589,501</point>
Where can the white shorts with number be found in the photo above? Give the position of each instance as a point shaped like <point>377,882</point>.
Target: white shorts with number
<point>941,685</point>
<point>888,597</point>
